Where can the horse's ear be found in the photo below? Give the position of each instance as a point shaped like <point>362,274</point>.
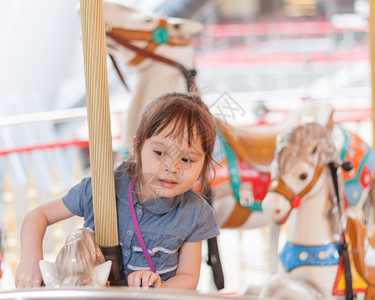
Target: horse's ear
<point>101,273</point>
<point>330,123</point>
<point>184,27</point>
<point>49,272</point>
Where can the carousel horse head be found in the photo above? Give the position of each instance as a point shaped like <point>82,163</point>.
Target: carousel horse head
<point>132,35</point>
<point>80,262</point>
<point>301,158</point>
<point>303,155</point>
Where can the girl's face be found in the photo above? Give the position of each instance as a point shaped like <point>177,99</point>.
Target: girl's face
<point>169,168</point>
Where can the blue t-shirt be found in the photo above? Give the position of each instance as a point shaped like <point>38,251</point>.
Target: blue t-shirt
<point>165,223</point>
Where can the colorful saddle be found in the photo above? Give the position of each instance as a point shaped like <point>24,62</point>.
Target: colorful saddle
<point>363,160</point>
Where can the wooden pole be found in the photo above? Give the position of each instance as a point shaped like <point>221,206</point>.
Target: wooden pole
<point>99,125</point>
<point>100,137</point>
<point>372,61</point>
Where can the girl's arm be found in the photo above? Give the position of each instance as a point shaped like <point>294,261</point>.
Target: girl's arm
<point>32,233</point>
<point>188,270</point>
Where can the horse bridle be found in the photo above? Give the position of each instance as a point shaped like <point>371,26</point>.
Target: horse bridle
<point>277,185</point>
<point>153,38</point>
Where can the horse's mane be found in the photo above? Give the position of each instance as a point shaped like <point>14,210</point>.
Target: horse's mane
<point>305,139</point>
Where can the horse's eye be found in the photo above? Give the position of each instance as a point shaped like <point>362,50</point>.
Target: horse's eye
<point>148,19</point>
<point>303,176</point>
<point>177,26</point>
<point>314,150</point>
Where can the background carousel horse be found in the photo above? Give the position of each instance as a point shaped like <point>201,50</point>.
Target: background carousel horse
<point>302,189</point>
<point>80,262</point>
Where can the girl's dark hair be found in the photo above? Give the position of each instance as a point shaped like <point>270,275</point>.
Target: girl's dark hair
<point>189,114</point>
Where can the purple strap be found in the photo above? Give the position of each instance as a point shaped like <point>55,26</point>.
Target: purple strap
<point>136,227</point>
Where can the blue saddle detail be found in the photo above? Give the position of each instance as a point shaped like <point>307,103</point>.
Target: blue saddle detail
<point>293,256</point>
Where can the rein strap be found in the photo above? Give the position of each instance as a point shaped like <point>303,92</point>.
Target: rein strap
<point>278,186</point>
<point>189,74</point>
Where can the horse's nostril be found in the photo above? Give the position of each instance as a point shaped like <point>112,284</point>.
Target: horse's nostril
<point>277,211</point>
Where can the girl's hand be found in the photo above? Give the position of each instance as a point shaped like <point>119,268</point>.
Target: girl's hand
<point>28,274</point>
<point>144,279</point>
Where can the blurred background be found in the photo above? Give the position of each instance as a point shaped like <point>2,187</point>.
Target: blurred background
<point>267,55</point>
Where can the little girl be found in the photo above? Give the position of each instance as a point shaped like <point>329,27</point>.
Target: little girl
<point>172,151</point>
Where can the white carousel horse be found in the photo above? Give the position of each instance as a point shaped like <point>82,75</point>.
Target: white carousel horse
<point>80,262</point>
<point>131,33</point>
<point>301,190</point>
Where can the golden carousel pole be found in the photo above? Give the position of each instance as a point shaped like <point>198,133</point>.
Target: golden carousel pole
<point>372,61</point>
<point>100,137</point>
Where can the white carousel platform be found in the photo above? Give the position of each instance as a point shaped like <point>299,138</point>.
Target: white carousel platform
<point>114,293</point>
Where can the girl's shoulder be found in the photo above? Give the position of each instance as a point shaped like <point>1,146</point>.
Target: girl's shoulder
<point>203,225</point>
<point>193,195</point>
<point>193,199</point>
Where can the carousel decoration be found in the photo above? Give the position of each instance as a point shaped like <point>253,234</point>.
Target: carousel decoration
<point>79,262</point>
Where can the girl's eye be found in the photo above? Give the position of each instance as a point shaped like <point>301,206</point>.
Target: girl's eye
<point>159,153</point>
<point>187,160</point>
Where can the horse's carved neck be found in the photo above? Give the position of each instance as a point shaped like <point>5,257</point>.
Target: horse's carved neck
<point>310,224</point>
<point>155,79</point>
